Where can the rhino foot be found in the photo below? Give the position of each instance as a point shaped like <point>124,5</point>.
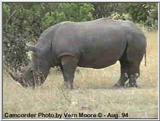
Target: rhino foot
<point>68,85</point>
<point>131,85</point>
<point>118,85</point>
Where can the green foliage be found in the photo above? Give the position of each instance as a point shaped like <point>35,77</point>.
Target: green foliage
<point>142,13</point>
<point>24,22</point>
<point>145,13</point>
<point>107,9</point>
<point>117,16</point>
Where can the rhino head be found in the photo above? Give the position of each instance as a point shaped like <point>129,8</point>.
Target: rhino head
<point>35,73</point>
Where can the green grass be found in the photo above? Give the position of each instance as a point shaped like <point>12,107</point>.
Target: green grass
<point>93,91</point>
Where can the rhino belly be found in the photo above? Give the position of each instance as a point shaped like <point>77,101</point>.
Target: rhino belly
<point>99,61</point>
<point>100,57</point>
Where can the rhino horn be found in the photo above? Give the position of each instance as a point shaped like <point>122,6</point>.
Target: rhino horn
<point>31,48</point>
<point>14,76</point>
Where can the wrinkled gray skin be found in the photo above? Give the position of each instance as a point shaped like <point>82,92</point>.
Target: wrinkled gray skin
<point>93,44</point>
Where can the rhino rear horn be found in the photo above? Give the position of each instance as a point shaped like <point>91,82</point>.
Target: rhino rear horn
<point>31,48</point>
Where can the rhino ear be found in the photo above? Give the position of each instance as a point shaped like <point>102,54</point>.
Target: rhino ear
<point>31,48</point>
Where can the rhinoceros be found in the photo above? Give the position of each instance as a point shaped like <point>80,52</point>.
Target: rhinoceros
<point>91,44</point>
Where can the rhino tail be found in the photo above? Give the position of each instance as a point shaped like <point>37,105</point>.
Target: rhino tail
<point>145,59</point>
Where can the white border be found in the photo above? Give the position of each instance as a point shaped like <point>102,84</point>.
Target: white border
<point>158,55</point>
<point>79,1</point>
<point>1,65</point>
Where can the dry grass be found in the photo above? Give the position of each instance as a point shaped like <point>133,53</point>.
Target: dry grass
<point>93,91</point>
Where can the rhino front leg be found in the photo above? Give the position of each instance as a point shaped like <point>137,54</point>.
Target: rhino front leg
<point>68,67</point>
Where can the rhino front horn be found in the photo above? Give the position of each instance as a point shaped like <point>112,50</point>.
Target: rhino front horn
<point>14,77</point>
<point>31,48</point>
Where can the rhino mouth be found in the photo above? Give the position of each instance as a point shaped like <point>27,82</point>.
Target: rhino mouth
<point>38,78</point>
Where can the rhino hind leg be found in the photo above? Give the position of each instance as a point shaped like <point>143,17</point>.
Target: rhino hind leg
<point>132,80</point>
<point>133,74</point>
<point>124,74</point>
<point>68,67</point>
<point>129,75</point>
<point>134,55</point>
